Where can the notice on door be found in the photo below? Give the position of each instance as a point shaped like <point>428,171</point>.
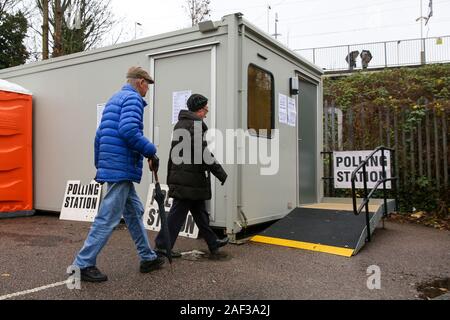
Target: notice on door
<point>179,99</point>
<point>346,162</point>
<point>292,112</point>
<point>81,202</point>
<point>152,220</point>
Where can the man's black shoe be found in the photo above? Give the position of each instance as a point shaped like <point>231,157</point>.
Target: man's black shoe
<point>92,274</point>
<point>219,243</point>
<point>222,242</point>
<point>218,255</point>
<point>148,266</point>
<point>163,253</point>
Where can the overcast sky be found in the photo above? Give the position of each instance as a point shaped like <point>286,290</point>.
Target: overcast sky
<point>302,23</point>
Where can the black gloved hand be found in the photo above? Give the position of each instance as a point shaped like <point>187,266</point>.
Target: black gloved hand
<point>154,163</point>
<point>99,182</point>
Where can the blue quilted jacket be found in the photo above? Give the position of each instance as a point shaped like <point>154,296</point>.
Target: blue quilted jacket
<point>120,144</point>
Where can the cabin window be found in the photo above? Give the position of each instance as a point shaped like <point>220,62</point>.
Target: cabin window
<point>260,101</point>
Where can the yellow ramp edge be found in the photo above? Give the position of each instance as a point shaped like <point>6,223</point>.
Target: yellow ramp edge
<point>339,206</point>
<point>304,245</point>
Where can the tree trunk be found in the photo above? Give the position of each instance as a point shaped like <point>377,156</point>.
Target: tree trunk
<point>45,30</point>
<point>57,45</point>
<point>193,13</point>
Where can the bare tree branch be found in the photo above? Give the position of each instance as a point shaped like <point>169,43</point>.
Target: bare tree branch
<point>14,6</point>
<point>197,10</point>
<point>85,24</point>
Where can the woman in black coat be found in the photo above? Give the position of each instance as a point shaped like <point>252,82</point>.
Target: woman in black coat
<point>189,175</point>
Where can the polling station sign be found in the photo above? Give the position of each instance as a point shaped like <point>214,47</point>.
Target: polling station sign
<point>81,202</point>
<point>345,162</point>
<point>152,220</point>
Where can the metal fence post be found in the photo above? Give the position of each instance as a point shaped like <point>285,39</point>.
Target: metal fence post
<point>349,60</point>
<point>330,170</point>
<point>423,59</point>
<point>384,184</point>
<point>385,55</point>
<point>395,175</point>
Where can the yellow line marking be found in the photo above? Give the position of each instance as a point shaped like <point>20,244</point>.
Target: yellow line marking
<point>304,245</point>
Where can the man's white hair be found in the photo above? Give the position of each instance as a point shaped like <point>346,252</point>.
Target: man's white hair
<point>133,82</point>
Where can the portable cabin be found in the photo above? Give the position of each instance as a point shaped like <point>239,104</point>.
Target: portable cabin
<point>242,70</point>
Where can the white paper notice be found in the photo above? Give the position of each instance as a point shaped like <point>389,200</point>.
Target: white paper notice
<point>179,99</point>
<point>100,108</point>
<point>292,112</point>
<point>282,108</point>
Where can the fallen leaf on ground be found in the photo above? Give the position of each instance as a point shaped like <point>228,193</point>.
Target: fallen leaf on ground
<point>417,215</point>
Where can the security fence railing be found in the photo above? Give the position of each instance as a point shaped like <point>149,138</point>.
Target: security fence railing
<point>380,54</point>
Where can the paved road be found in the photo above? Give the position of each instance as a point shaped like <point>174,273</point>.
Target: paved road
<point>36,252</point>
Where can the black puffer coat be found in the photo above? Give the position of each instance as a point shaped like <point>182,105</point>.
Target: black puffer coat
<point>186,179</point>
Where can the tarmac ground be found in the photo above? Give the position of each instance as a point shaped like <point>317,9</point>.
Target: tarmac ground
<point>35,253</point>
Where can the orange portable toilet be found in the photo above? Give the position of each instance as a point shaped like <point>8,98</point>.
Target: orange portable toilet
<point>16,160</point>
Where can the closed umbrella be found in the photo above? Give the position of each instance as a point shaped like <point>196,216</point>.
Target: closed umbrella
<point>159,197</point>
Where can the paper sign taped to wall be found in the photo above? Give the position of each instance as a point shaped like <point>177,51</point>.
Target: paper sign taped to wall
<point>179,99</point>
<point>152,220</point>
<point>292,112</point>
<point>81,202</point>
<point>100,109</point>
<point>282,109</point>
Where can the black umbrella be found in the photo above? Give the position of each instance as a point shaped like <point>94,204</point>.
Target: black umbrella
<point>159,197</point>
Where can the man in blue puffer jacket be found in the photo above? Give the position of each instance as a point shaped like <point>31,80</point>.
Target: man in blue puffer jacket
<point>119,150</point>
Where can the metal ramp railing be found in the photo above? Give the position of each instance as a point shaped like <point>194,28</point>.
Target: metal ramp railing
<point>368,195</point>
